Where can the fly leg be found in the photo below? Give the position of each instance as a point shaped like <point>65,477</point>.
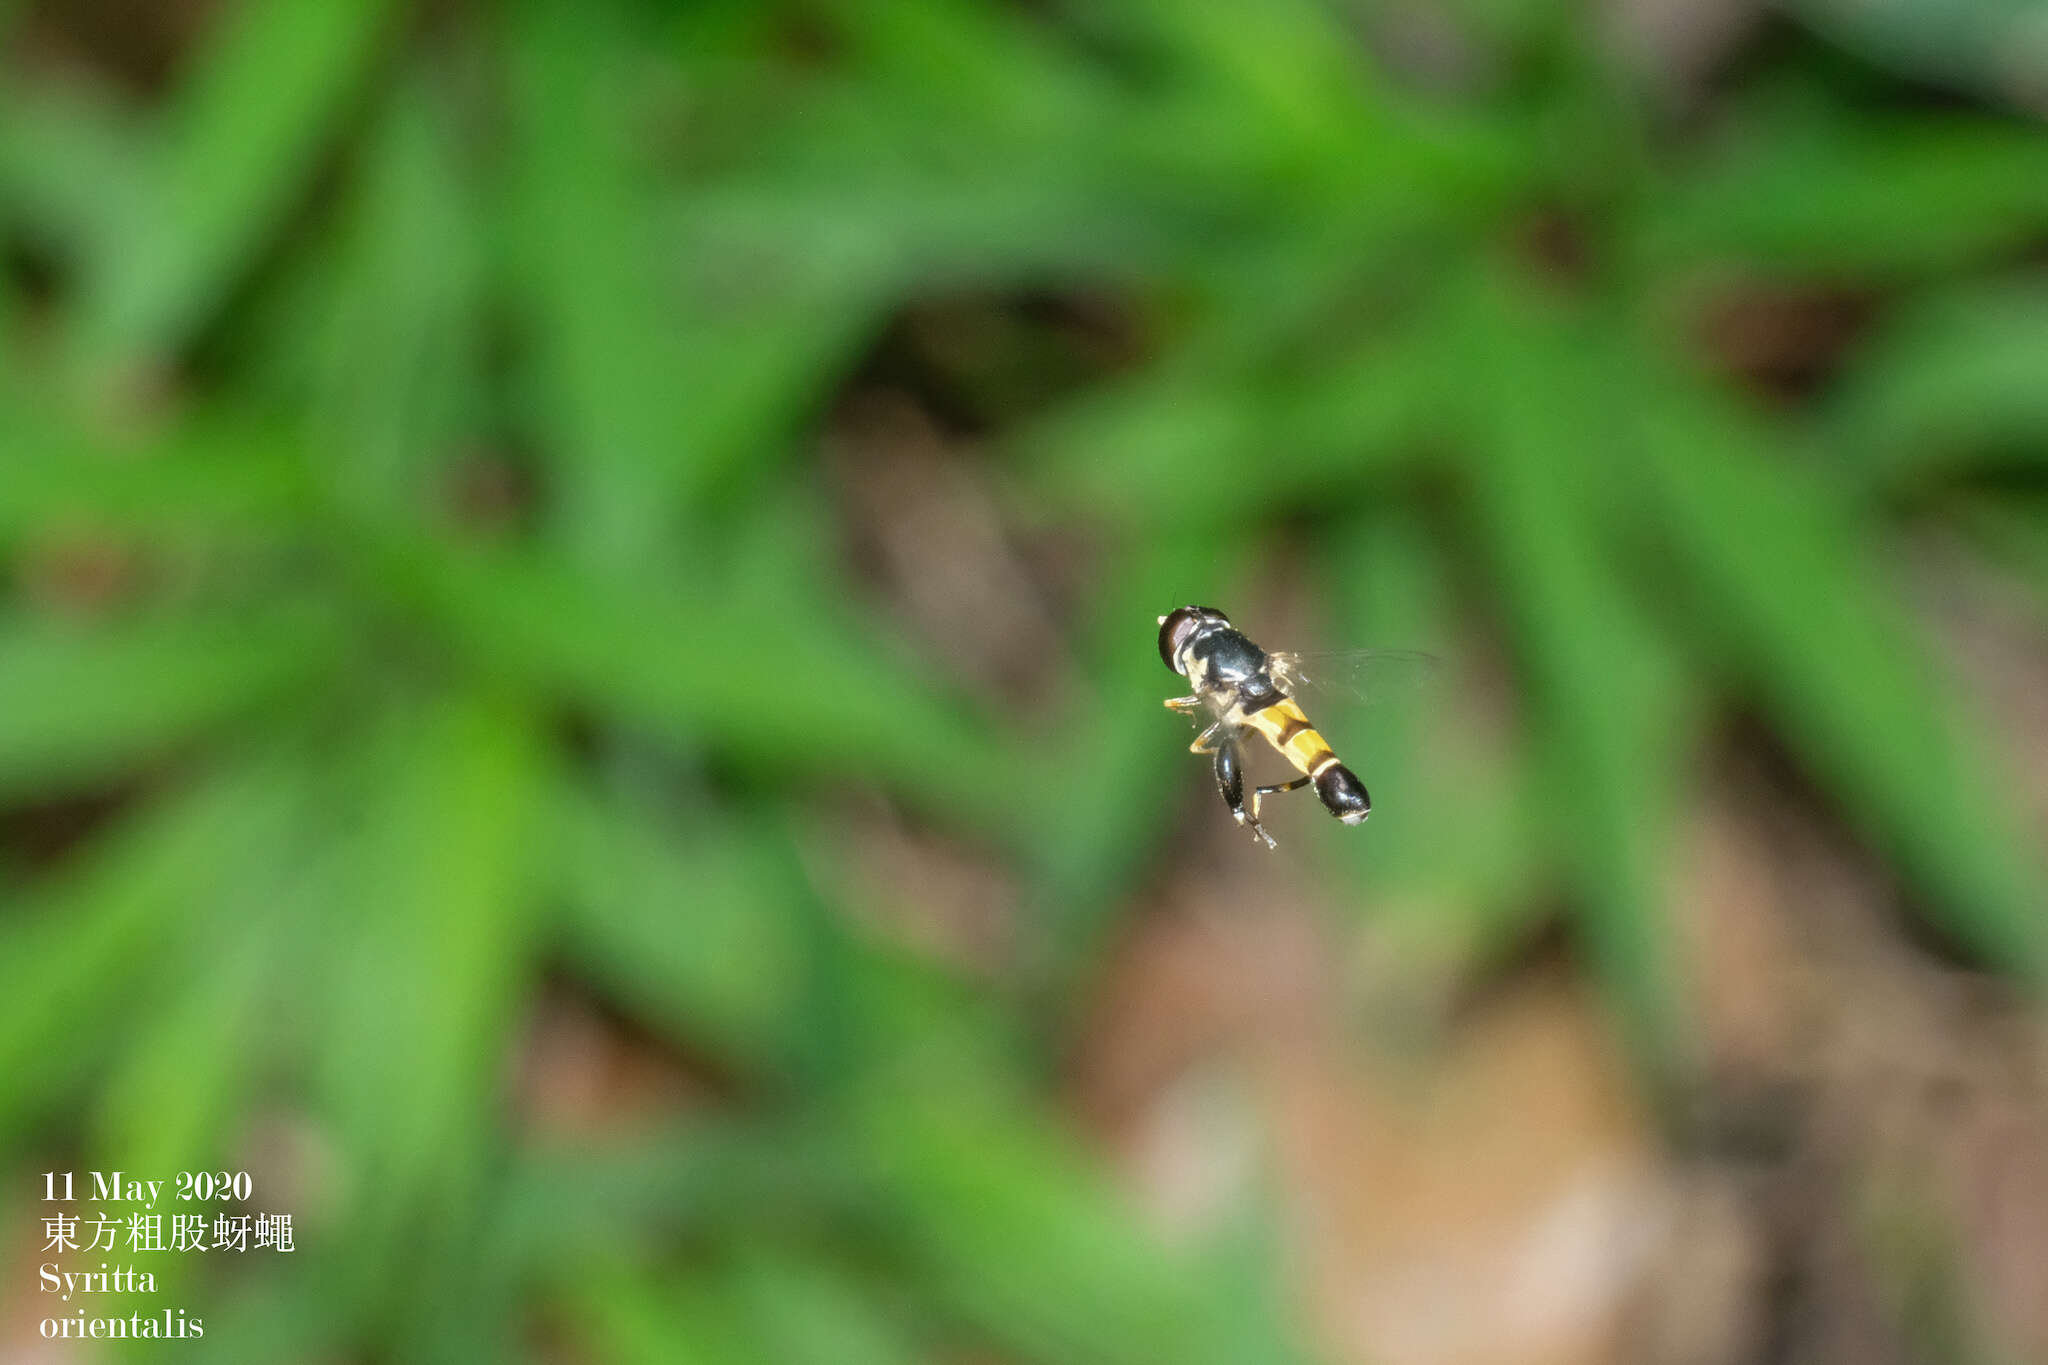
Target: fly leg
<point>1187,706</point>
<point>1230,781</point>
<point>1274,790</point>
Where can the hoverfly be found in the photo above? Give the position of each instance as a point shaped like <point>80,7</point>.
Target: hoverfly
<point>1244,688</point>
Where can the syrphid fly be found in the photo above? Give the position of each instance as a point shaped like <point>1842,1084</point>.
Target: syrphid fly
<point>1242,688</point>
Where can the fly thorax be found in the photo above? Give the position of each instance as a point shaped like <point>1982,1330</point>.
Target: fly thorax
<point>1224,658</point>
<point>1255,693</point>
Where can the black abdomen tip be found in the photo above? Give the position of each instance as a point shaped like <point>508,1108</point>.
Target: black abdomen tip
<point>1344,794</point>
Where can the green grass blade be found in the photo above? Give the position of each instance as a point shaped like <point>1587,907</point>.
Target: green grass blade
<point>636,1318</point>
<point>216,473</point>
<point>84,705</point>
<point>814,691</point>
<point>1951,384</point>
<point>587,270</point>
<point>1790,583</point>
<point>668,359</point>
<point>429,968</point>
<point>80,952</point>
<point>1453,853</point>
<point>1171,448</point>
<point>693,926</point>
<point>394,394</point>
<point>1798,187</point>
<point>71,166</point>
<point>242,138</point>
<point>1606,705</point>
<point>806,1311</point>
<point>1010,1230</point>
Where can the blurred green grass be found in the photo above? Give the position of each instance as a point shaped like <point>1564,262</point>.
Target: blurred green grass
<point>374,750</point>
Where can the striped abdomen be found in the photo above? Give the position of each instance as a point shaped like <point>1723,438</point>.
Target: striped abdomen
<point>1289,731</point>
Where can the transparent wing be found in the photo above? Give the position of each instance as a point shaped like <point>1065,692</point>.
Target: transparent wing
<point>1358,675</point>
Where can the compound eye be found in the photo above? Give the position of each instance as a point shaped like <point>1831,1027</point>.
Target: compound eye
<point>1173,628</point>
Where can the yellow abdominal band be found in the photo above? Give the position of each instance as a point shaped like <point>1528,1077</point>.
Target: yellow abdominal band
<point>1289,730</point>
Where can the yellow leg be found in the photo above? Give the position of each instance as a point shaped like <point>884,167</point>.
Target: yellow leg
<point>1260,793</point>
